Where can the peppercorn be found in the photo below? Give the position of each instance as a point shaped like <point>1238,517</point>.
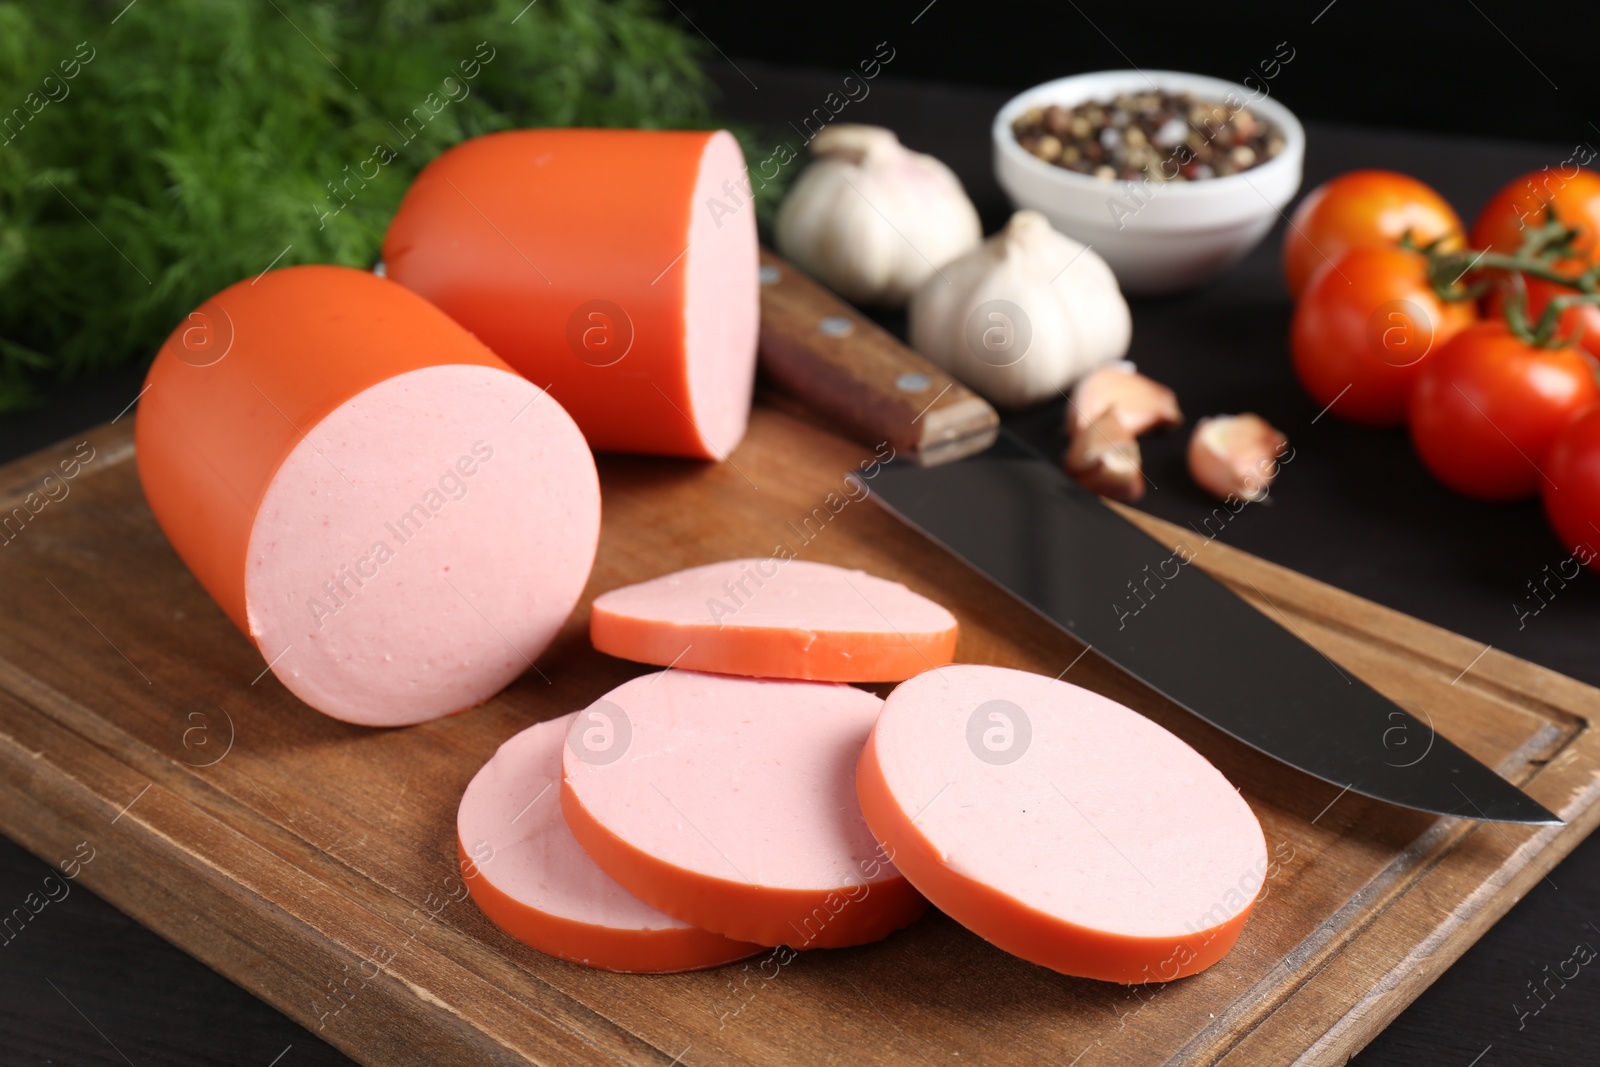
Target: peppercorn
<point>1159,135</point>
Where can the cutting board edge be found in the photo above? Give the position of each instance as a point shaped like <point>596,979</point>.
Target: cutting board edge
<point>1394,985</point>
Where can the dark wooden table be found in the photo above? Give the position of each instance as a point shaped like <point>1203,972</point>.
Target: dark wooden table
<point>85,985</point>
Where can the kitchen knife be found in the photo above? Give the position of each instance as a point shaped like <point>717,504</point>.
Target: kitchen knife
<point>1016,517</point>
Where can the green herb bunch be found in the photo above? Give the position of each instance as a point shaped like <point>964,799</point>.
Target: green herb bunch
<point>154,153</point>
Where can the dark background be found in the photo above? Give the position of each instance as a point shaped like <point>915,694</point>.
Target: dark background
<point>85,985</point>
<point>1443,65</point>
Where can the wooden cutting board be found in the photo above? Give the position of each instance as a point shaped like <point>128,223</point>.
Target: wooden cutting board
<point>314,862</point>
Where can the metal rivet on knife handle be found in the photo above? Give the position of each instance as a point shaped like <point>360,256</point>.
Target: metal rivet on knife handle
<point>858,379</point>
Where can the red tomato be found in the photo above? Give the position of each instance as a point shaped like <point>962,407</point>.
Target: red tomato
<point>1581,321</point>
<point>1572,495</point>
<point>1364,328</point>
<point>1362,209</point>
<point>1575,197</point>
<point>1488,407</point>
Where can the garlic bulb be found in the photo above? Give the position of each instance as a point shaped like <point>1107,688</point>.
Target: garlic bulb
<point>1022,317</point>
<point>871,219</point>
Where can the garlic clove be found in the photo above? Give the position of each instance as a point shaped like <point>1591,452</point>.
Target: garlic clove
<point>1104,458</point>
<point>1022,317</point>
<point>1235,456</point>
<point>1142,404</point>
<point>871,219</point>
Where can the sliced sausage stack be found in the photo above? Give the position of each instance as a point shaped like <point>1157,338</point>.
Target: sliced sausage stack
<point>761,802</point>
<point>725,796</point>
<point>532,879</point>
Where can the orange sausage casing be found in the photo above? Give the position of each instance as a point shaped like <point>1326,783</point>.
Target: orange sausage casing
<point>617,268</point>
<point>348,473</point>
<point>237,382</point>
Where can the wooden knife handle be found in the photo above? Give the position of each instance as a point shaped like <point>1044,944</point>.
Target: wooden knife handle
<point>858,376</point>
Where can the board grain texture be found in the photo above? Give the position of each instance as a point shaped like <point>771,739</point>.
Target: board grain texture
<point>314,862</point>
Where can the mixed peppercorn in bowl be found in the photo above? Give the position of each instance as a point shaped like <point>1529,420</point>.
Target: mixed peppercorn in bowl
<point>1169,176</point>
<point>1158,135</point>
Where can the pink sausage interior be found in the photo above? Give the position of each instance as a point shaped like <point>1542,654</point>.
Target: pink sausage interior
<point>781,595</point>
<point>1104,818</point>
<point>510,818</point>
<point>739,779</point>
<point>422,545</point>
<point>721,304</point>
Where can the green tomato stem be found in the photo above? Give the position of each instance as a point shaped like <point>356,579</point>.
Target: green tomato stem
<point>1543,249</point>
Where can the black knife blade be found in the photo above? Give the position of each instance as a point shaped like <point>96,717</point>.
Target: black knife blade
<point>1019,520</point>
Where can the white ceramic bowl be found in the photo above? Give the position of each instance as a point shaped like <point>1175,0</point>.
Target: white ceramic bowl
<point>1157,237</point>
